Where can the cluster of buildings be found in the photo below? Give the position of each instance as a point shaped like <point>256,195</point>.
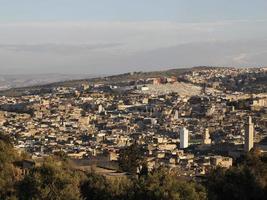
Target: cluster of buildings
<point>237,79</point>
<point>93,122</point>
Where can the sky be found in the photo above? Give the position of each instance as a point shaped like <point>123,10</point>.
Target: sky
<point>115,36</point>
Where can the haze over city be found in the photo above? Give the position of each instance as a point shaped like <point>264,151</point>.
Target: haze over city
<point>133,100</point>
<point>110,37</point>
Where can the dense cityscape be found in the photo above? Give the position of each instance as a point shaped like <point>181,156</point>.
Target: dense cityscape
<point>133,100</point>
<point>190,124</point>
<point>180,125</point>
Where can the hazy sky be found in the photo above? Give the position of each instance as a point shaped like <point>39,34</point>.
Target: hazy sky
<point>114,36</point>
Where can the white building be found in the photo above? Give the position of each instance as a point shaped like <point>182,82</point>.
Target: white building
<point>249,135</point>
<point>100,108</point>
<point>176,115</point>
<point>183,138</point>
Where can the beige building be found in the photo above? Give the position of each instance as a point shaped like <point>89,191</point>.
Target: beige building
<point>206,137</point>
<point>221,161</point>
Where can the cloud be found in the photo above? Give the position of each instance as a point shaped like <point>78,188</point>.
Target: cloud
<point>57,48</point>
<point>114,47</point>
<point>135,35</point>
<point>241,58</point>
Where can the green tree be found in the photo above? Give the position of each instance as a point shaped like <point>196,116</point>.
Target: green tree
<point>95,187</point>
<point>235,184</point>
<point>50,181</point>
<point>98,187</point>
<point>246,181</point>
<point>164,185</point>
<point>131,159</point>
<point>9,173</point>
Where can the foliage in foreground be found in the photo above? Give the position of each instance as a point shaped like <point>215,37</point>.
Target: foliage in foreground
<point>55,179</point>
<point>51,180</point>
<point>9,174</point>
<point>246,181</point>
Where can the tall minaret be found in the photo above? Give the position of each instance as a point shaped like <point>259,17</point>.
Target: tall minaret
<point>176,115</point>
<point>183,138</point>
<point>206,137</point>
<point>249,135</point>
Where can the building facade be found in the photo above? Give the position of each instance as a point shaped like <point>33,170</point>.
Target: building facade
<point>183,138</point>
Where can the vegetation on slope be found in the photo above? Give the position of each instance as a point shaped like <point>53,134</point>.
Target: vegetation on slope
<point>55,179</point>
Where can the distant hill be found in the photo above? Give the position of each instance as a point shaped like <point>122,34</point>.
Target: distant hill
<point>9,81</point>
<point>114,79</point>
<point>17,91</point>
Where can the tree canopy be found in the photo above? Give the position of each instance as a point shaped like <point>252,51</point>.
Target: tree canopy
<point>131,159</point>
<point>9,174</point>
<point>50,181</point>
<point>246,181</point>
<point>56,179</point>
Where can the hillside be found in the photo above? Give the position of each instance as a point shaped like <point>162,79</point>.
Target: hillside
<point>108,80</point>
